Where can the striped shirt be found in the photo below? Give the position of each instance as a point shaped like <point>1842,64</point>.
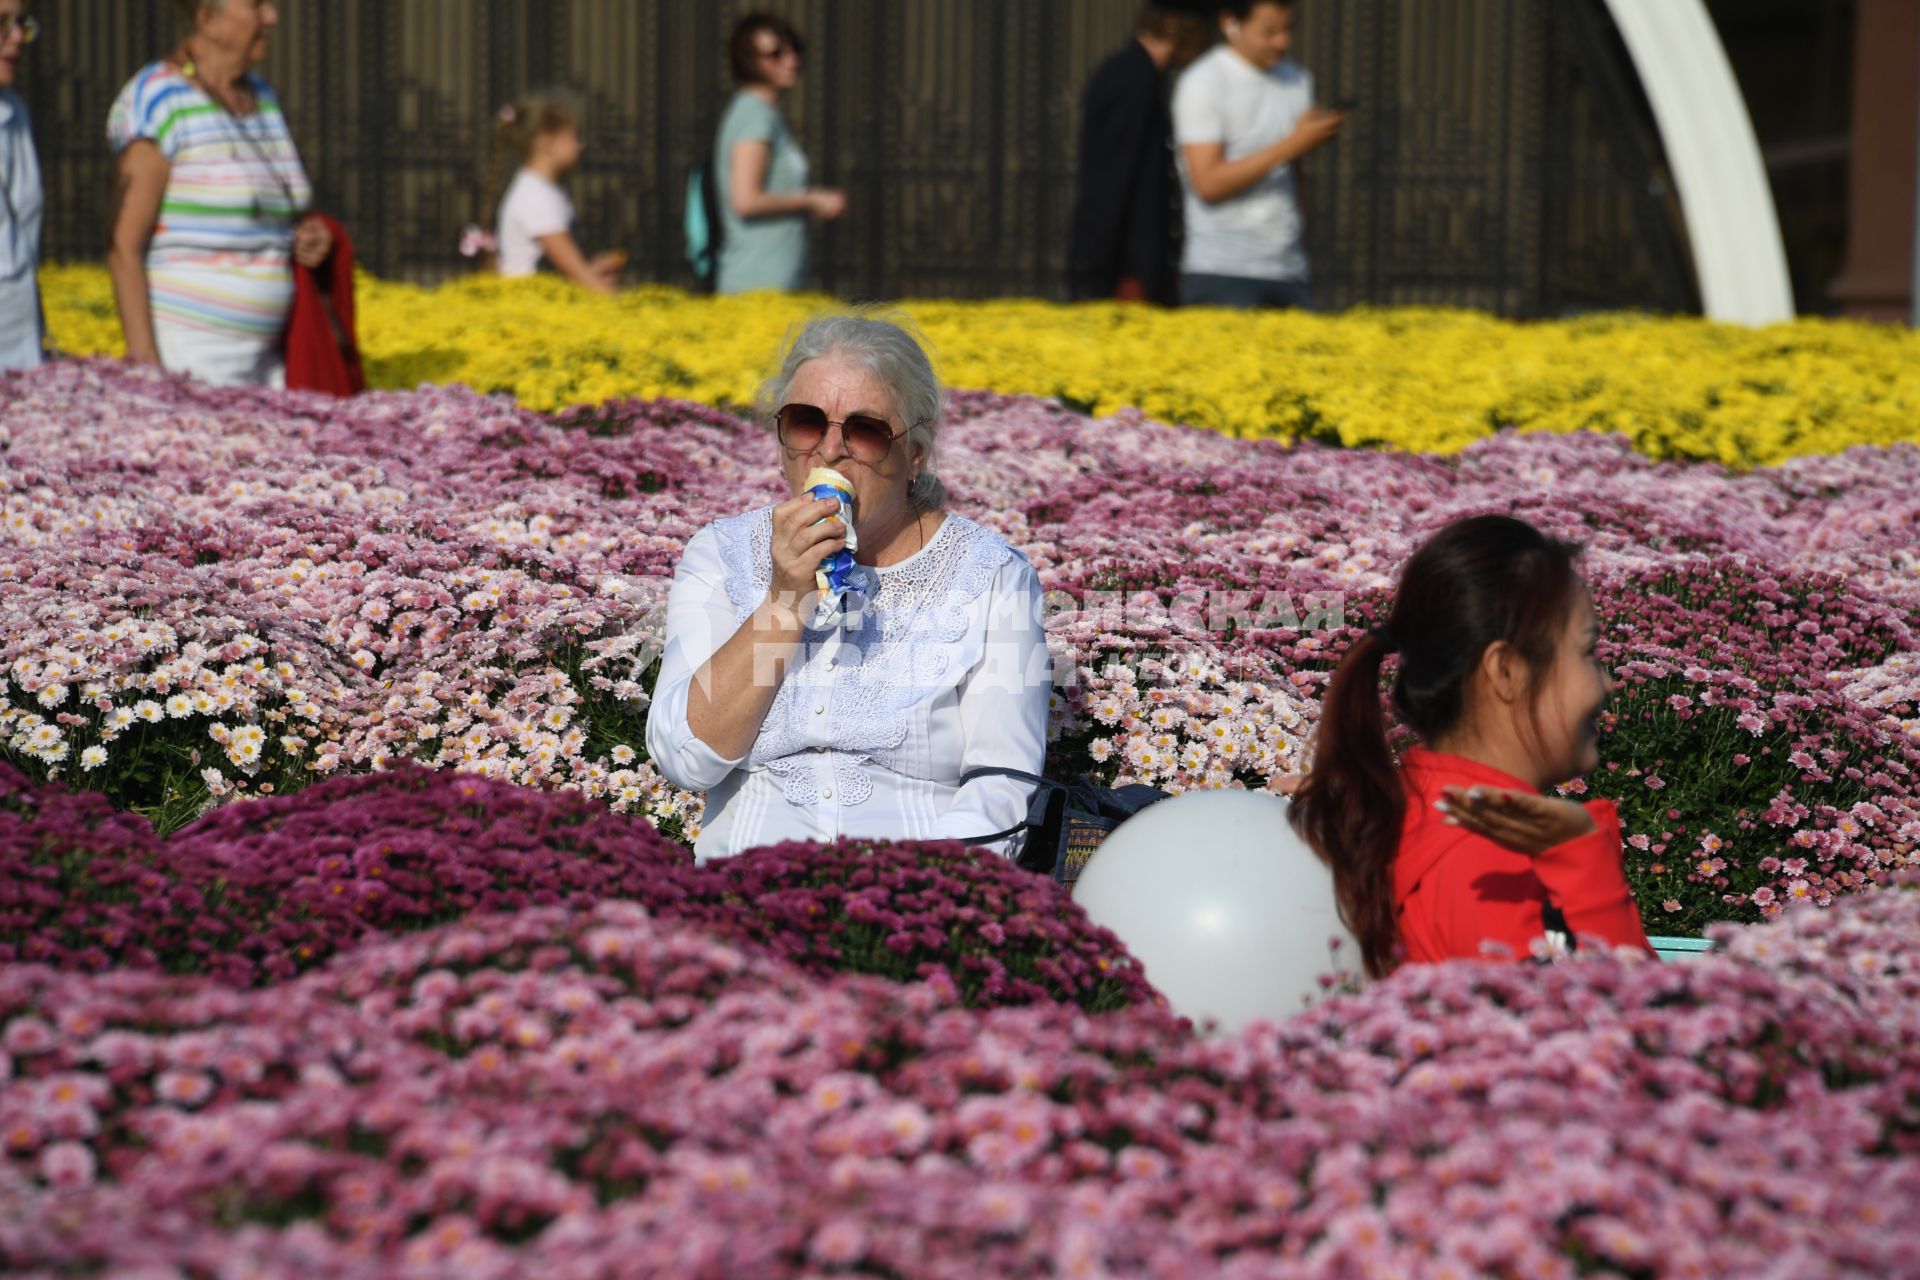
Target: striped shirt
<point>221,253</point>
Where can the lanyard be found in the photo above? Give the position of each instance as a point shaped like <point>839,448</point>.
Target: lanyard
<point>237,127</point>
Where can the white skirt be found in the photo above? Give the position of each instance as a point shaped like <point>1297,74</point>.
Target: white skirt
<point>220,359</point>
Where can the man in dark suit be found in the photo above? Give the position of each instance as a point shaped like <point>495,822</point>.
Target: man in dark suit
<point>1126,206</point>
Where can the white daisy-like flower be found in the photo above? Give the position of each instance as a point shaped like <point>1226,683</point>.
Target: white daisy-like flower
<point>52,695</point>
<point>623,754</point>
<point>93,757</point>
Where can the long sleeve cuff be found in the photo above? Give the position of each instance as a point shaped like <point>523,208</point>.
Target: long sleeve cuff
<point>687,761</point>
<point>1587,881</point>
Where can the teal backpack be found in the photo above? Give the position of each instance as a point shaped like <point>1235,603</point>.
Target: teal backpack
<point>706,230</point>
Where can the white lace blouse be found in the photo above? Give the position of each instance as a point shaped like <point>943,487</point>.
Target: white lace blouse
<point>942,669</point>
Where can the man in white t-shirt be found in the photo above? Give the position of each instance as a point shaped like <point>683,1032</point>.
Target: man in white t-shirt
<point>1243,117</point>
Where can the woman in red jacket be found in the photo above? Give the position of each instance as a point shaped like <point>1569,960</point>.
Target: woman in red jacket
<point>1461,850</point>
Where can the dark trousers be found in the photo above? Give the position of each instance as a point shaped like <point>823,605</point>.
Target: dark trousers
<point>1244,292</point>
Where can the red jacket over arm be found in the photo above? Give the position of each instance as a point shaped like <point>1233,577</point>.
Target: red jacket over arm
<point>1462,895</point>
<point>323,350</point>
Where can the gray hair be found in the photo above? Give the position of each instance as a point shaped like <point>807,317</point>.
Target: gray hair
<point>888,346</point>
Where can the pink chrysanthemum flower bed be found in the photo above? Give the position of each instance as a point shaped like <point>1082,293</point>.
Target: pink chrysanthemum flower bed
<point>597,1091</point>
<point>212,595</point>
<point>483,1018</point>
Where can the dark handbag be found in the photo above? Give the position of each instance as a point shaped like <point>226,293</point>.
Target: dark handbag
<point>1067,820</point>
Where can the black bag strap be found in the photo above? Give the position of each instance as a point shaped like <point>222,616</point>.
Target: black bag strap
<point>996,771</point>
<point>998,835</point>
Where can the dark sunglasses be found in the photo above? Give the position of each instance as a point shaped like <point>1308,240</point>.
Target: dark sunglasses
<point>803,428</point>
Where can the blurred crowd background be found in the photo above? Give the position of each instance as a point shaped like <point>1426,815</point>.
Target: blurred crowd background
<point>1500,155</point>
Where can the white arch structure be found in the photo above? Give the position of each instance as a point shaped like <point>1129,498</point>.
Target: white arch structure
<point>1715,158</point>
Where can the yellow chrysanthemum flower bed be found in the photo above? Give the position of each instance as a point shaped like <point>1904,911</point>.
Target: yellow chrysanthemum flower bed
<point>1417,379</point>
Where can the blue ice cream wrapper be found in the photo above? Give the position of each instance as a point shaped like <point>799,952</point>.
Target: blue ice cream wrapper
<point>835,573</point>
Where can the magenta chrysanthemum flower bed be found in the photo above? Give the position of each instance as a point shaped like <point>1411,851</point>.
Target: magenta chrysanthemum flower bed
<point>595,1092</point>
<point>257,892</point>
<point>210,595</point>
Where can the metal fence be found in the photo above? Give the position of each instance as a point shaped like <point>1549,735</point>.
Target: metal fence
<point>1500,156</point>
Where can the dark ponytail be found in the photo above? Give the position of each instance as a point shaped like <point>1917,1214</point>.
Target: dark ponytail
<point>1477,582</point>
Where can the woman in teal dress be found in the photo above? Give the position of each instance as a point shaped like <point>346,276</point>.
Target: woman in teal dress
<point>764,197</point>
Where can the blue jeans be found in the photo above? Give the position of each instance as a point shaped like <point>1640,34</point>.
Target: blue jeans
<point>1198,289</point>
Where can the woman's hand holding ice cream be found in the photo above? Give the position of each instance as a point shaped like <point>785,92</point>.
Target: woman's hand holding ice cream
<point>806,530</point>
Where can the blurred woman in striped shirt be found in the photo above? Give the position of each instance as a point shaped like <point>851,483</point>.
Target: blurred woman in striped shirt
<point>210,203</point>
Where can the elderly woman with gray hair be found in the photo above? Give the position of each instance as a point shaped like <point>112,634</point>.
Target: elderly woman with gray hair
<point>809,717</point>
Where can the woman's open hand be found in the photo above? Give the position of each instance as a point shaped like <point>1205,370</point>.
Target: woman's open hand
<point>806,530</point>
<point>609,264</point>
<point>827,203</point>
<point>312,242</point>
<point>1523,821</point>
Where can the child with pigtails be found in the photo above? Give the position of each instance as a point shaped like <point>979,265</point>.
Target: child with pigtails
<point>541,135</point>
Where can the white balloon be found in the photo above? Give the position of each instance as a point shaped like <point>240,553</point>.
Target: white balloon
<point>1231,913</point>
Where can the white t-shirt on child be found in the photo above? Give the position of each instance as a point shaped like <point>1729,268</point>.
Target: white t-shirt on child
<point>1226,99</point>
<point>533,207</point>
